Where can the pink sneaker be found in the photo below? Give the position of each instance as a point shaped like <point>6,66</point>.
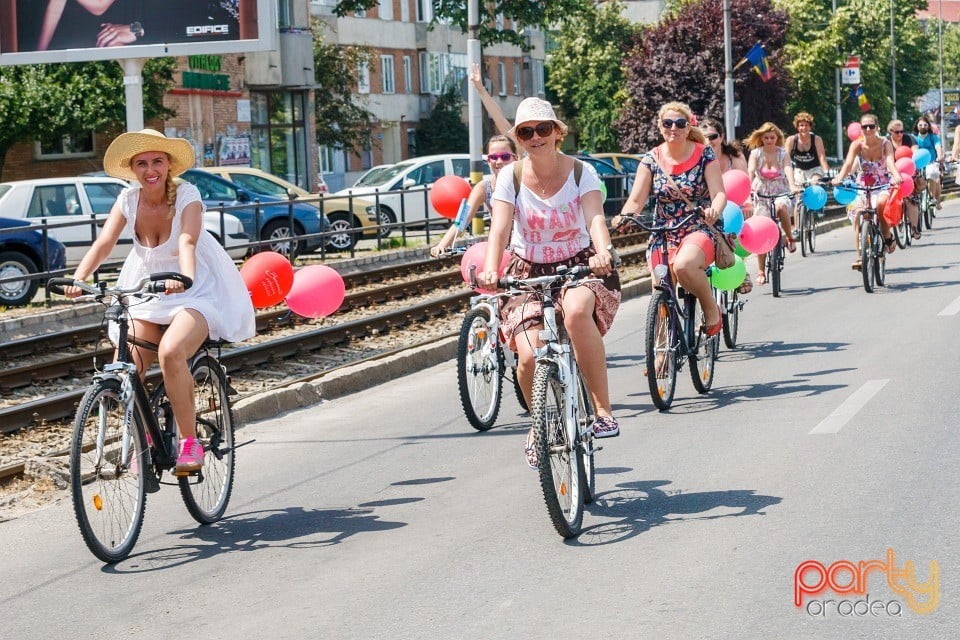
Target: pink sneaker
<point>190,458</point>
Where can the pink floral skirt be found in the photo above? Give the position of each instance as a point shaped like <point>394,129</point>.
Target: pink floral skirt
<point>524,312</point>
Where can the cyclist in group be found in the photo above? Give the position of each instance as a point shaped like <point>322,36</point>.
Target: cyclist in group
<point>165,220</point>
<point>682,173</point>
<point>875,157</point>
<point>500,151</point>
<point>927,139</point>
<point>542,239</point>
<point>771,172</point>
<point>911,204</point>
<point>730,157</point>
<point>806,153</point>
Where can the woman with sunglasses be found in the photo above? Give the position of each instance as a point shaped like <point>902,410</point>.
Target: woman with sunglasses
<point>682,173</point>
<point>553,219</point>
<point>927,139</point>
<point>771,173</point>
<point>500,151</point>
<point>730,157</point>
<point>911,204</point>
<point>875,157</point>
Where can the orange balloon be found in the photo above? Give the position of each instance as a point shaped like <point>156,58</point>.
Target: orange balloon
<point>447,193</point>
<point>269,277</point>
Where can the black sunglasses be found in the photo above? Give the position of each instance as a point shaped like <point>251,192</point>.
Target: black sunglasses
<point>712,136</point>
<point>543,130</point>
<point>868,126</point>
<point>896,131</point>
<point>667,123</point>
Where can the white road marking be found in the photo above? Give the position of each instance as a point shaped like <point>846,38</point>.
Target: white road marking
<point>951,309</point>
<point>849,408</point>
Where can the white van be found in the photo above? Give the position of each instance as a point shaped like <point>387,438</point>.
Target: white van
<point>400,189</point>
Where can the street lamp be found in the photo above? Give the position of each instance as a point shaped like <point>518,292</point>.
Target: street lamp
<point>893,64</point>
<point>474,109</point>
<point>728,117</point>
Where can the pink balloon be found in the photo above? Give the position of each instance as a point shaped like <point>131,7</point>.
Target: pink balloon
<point>737,185</point>
<point>476,256</point>
<point>935,129</point>
<point>906,186</point>
<point>905,165</point>
<point>759,234</point>
<point>854,130</point>
<point>317,291</point>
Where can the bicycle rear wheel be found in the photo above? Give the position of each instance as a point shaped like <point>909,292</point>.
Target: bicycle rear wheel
<point>560,469</point>
<point>867,255</point>
<point>107,481</point>
<point>480,368</point>
<point>775,261</point>
<point>704,355</point>
<point>661,350</point>
<point>585,417</point>
<point>880,261</point>
<point>802,215</point>
<point>926,210</point>
<point>206,494</point>
<point>811,231</point>
<point>901,231</point>
<point>731,319</point>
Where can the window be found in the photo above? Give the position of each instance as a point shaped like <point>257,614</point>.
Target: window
<point>502,72</point>
<point>363,77</point>
<point>386,9</point>
<point>279,143</point>
<point>386,74</point>
<point>258,184</point>
<point>431,72</point>
<point>54,200</point>
<point>360,13</point>
<point>407,75</point>
<point>499,21</point>
<point>461,167</point>
<point>326,158</point>
<point>516,78</point>
<point>424,10</point>
<point>76,145</point>
<point>411,143</point>
<point>427,174</point>
<point>366,155</point>
<point>538,77</point>
<point>404,10</point>
<point>285,14</point>
<point>102,196</point>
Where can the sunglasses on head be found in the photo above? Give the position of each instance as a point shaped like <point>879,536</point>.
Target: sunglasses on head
<point>667,123</point>
<point>712,136</point>
<point>506,156</point>
<point>543,130</point>
<point>868,126</point>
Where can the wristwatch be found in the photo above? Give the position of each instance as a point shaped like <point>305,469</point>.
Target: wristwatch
<point>136,29</point>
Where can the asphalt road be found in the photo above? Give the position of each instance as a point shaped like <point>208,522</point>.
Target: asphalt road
<point>830,435</point>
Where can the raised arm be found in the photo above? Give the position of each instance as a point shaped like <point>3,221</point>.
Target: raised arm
<point>503,125</point>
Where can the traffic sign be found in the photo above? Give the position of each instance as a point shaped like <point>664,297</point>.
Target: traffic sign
<point>850,74</point>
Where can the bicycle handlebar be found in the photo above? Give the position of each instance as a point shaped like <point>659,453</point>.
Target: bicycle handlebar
<point>153,283</point>
<point>566,275</point>
<point>638,220</point>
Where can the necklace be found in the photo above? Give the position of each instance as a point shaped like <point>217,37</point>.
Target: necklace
<point>543,189</point>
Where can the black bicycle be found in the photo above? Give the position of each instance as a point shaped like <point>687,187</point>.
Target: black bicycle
<point>872,246</point>
<point>675,325</point>
<point>807,222</point>
<point>124,440</point>
<point>773,267</point>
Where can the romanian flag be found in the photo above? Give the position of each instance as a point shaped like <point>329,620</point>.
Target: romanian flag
<point>861,97</point>
<point>758,58</point>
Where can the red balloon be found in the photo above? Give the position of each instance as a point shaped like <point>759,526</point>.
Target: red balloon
<point>905,165</point>
<point>447,193</point>
<point>476,256</point>
<point>903,151</point>
<point>268,276</point>
<point>759,234</point>
<point>854,131</point>
<point>317,291</point>
<point>906,184</point>
<point>737,185</point>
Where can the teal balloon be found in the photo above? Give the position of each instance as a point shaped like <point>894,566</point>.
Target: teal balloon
<point>815,197</point>
<point>729,279</point>
<point>732,218</point>
<point>603,191</point>
<point>843,195</point>
<point>739,250</point>
<point>921,158</point>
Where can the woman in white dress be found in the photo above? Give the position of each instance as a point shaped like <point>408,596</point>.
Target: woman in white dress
<point>165,220</point>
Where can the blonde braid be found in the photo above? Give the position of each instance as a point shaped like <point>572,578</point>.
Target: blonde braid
<point>171,196</point>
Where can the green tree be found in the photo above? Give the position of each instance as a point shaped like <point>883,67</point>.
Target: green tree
<point>444,131</point>
<point>819,41</point>
<point>343,121</point>
<point>585,72</point>
<point>62,99</point>
<point>681,59</point>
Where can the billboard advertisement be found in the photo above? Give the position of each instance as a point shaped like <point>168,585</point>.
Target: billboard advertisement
<point>33,31</point>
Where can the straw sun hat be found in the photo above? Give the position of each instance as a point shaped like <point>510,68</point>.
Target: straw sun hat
<point>536,110</point>
<point>116,161</point>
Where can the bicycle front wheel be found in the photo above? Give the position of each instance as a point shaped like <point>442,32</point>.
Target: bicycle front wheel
<point>802,215</point>
<point>775,261</point>
<point>480,370</point>
<point>107,479</point>
<point>704,356</point>
<point>662,344</point>
<point>867,255</point>
<point>560,469</point>
<point>880,261</point>
<point>811,231</point>
<point>585,417</point>
<point>206,494</point>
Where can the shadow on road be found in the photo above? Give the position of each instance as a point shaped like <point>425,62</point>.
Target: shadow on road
<point>633,508</point>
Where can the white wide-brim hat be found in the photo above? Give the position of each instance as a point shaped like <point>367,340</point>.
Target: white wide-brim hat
<point>536,110</point>
<point>116,161</point>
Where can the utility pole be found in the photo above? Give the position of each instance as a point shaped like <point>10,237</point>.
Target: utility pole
<point>729,123</point>
<point>474,107</point>
<point>893,63</point>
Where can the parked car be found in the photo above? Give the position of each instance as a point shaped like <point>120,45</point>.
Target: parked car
<point>614,180</point>
<point>21,254</point>
<point>401,187</point>
<point>350,219</point>
<point>274,216</point>
<point>626,163</point>
<point>85,201</point>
